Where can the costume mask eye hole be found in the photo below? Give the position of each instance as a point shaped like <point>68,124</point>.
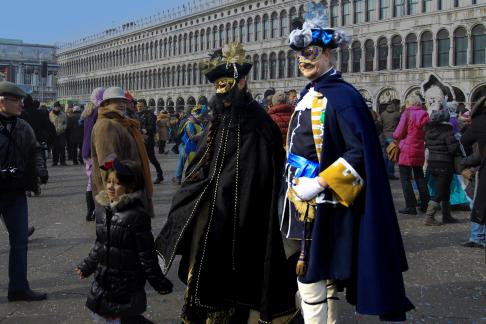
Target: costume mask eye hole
<point>309,54</point>
<point>224,85</point>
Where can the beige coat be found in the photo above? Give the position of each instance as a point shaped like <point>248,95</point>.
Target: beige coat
<point>59,121</point>
<point>108,137</point>
<point>163,125</point>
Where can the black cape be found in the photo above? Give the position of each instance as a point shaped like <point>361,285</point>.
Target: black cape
<point>240,259</point>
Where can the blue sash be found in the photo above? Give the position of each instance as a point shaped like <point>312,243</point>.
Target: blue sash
<point>304,167</point>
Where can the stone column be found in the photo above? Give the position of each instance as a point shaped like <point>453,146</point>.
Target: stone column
<point>434,51</point>
<point>469,49</point>
<point>404,54</point>
<point>389,55</point>
<point>375,58</point>
<point>418,60</point>
<point>451,50</point>
<point>362,61</point>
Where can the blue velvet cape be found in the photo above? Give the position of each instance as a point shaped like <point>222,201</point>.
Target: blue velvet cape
<point>360,246</point>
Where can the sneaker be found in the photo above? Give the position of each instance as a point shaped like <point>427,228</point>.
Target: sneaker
<point>472,244</point>
<point>408,211</point>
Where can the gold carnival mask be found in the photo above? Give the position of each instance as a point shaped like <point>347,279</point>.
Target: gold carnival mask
<point>309,54</point>
<point>224,85</point>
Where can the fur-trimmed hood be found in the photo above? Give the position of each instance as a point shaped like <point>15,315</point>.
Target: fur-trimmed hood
<point>126,200</point>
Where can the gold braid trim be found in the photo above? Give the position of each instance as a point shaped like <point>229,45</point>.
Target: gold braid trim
<point>303,207</point>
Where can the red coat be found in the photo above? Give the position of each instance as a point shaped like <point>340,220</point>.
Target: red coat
<point>412,140</point>
<point>281,114</point>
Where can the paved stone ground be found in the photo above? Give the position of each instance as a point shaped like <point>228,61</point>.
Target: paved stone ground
<point>446,282</point>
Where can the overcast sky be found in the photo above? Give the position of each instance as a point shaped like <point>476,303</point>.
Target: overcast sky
<point>51,21</point>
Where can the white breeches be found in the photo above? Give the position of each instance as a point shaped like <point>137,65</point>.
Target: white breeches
<point>319,302</point>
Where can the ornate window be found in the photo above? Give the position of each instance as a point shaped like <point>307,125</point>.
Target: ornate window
<point>382,53</point>
<point>273,66</point>
<point>334,13</point>
<point>413,7</point>
<point>266,27</point>
<point>292,16</point>
<point>242,34</point>
<point>426,5</point>
<point>398,8</point>
<point>346,12</point>
<point>479,44</point>
<point>264,71</point>
<point>284,24</point>
<point>358,11</point>
<point>221,36</point>
<point>249,34</point>
<point>258,28</point>
<point>196,41</point>
<point>370,10</point>
<point>344,60</point>
<point>369,55</point>
<point>427,47</point>
<point>274,24</point>
<point>215,37</point>
<point>383,9</point>
<point>290,64</point>
<point>234,35</point>
<point>189,74</point>
<point>397,52</point>
<point>411,48</point>
<point>443,47</point>
<point>281,65</point>
<point>256,67</point>
<point>460,46</point>
<point>356,56</point>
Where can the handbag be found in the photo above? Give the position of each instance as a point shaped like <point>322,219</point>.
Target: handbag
<point>393,149</point>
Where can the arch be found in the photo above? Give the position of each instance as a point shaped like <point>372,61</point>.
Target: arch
<point>443,47</point>
<point>281,64</point>
<point>382,53</point>
<point>273,66</point>
<point>478,37</point>
<point>411,51</point>
<point>180,104</point>
<point>369,55</point>
<point>385,97</point>
<point>242,33</point>
<point>257,28</point>
<point>256,67</point>
<point>291,64</point>
<point>191,102</point>
<point>413,90</point>
<point>427,47</point>
<point>160,104</point>
<point>284,23</point>
<point>274,20</point>
<point>249,30</point>
<point>170,104</point>
<point>478,92</point>
<point>151,102</point>
<point>264,69</point>
<point>366,95</point>
<point>396,52</point>
<point>266,27</point>
<point>460,46</point>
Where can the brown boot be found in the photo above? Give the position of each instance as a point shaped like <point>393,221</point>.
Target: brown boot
<point>446,214</point>
<point>430,213</point>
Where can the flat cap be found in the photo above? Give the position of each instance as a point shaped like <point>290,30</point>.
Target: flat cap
<point>10,89</point>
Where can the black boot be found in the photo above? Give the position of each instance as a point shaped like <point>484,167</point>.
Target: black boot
<point>446,213</point>
<point>90,206</point>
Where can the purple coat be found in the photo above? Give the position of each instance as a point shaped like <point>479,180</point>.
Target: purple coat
<point>412,140</point>
<point>88,127</point>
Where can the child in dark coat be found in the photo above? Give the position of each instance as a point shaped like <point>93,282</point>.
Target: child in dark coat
<point>123,256</point>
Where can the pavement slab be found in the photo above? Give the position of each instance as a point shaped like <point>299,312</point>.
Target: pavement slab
<point>446,282</point>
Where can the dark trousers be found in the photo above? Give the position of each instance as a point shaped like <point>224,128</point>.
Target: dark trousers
<point>59,149</point>
<point>162,147</point>
<point>150,147</point>
<point>75,154</point>
<point>443,179</point>
<point>408,193</point>
<point>13,208</point>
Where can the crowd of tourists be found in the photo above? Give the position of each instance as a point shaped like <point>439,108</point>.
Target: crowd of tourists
<point>281,198</point>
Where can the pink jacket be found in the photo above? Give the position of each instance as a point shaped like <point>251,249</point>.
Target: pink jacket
<point>412,141</point>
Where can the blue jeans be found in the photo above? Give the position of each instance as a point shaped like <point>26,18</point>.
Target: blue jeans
<point>390,165</point>
<point>182,161</point>
<point>477,233</point>
<point>13,208</point>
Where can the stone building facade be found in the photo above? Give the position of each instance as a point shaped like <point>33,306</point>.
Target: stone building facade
<point>31,66</point>
<point>395,45</point>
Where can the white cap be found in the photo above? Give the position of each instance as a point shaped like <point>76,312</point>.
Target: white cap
<point>113,93</point>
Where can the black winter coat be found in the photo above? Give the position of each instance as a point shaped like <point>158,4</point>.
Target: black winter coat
<point>442,145</point>
<point>148,122</point>
<point>38,119</point>
<point>476,133</point>
<point>74,130</point>
<point>123,258</point>
<point>21,154</point>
